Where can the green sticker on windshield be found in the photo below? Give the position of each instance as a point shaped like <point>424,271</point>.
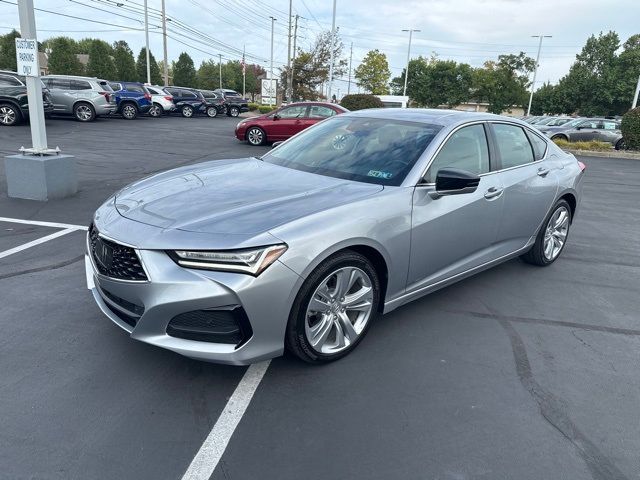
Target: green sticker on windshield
<point>379,174</point>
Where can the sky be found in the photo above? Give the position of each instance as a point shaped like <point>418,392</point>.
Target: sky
<point>469,31</point>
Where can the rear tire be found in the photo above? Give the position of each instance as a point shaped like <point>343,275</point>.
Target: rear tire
<point>10,115</point>
<point>552,236</point>
<point>84,112</point>
<point>325,324</point>
<point>187,111</point>
<point>129,111</point>
<point>212,112</point>
<point>156,110</point>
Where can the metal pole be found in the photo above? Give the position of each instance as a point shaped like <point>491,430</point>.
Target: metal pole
<point>406,72</point>
<point>350,59</point>
<point>244,74</point>
<point>273,20</point>
<point>146,37</point>
<point>34,85</point>
<point>635,97</point>
<point>164,45</point>
<point>535,70</point>
<point>333,38</point>
<point>289,54</point>
<point>220,69</point>
<point>293,59</point>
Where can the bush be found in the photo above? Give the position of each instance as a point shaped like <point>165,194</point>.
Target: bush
<point>265,108</point>
<point>360,101</point>
<point>631,129</point>
<point>253,107</point>
<point>594,145</point>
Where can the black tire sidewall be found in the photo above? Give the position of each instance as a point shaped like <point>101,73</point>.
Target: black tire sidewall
<point>296,340</point>
<point>212,109</point>
<point>538,247</point>
<point>132,117</point>
<point>156,107</point>
<point>232,110</point>
<point>80,104</point>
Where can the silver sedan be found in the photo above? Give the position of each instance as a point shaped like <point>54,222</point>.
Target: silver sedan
<point>235,260</point>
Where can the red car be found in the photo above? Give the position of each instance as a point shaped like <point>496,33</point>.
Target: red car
<point>285,121</point>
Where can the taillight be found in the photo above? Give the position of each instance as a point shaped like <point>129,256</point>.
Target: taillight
<point>582,166</point>
<point>169,97</point>
<point>147,96</point>
<point>106,96</point>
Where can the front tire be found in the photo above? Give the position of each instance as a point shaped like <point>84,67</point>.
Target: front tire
<point>552,237</point>
<point>620,145</point>
<point>84,112</point>
<point>187,111</point>
<point>9,115</point>
<point>212,112</point>
<point>334,308</point>
<point>560,137</point>
<point>256,136</point>
<point>156,110</point>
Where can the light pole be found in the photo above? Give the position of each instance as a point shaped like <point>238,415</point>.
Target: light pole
<point>146,37</point>
<point>220,69</point>
<point>333,38</point>
<point>289,79</point>
<point>350,59</point>
<point>535,70</point>
<point>635,97</point>
<point>406,72</point>
<point>164,46</point>
<point>273,21</point>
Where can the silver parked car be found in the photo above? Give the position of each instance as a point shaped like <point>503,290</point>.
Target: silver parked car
<point>587,129</point>
<point>162,102</point>
<point>233,260</point>
<point>86,98</point>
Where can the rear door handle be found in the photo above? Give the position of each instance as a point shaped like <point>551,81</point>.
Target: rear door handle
<point>542,171</point>
<point>493,192</point>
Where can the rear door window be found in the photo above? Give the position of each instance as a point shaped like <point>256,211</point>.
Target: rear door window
<point>513,144</point>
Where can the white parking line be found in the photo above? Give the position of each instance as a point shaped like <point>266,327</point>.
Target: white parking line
<point>38,241</point>
<point>205,461</point>
<point>43,224</point>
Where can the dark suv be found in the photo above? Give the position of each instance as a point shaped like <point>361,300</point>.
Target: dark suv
<point>14,106</point>
<point>132,98</point>
<point>190,101</point>
<point>235,103</point>
<point>216,100</point>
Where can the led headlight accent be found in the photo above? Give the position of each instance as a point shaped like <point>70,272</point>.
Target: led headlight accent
<point>253,261</point>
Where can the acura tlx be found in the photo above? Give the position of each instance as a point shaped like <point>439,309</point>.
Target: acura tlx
<point>233,261</point>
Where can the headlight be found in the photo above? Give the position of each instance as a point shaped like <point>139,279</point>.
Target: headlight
<point>241,123</point>
<point>252,261</point>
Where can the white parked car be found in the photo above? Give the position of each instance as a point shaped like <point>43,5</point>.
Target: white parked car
<point>162,101</point>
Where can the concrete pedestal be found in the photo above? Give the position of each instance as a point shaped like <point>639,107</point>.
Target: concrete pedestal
<point>35,177</point>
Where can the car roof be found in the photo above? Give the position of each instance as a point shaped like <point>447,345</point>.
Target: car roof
<point>79,77</point>
<point>430,115</point>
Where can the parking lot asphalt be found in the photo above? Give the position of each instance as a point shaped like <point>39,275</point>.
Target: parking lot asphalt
<point>516,373</point>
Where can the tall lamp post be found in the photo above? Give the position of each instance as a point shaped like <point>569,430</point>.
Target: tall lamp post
<point>146,39</point>
<point>406,72</point>
<point>535,70</point>
<point>273,21</point>
<point>332,43</point>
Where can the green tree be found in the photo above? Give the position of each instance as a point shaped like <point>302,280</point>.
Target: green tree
<point>311,68</point>
<point>125,64</point>
<point>101,63</point>
<point>545,101</point>
<point>8,50</point>
<point>503,84</point>
<point>184,73</point>
<point>207,75</point>
<point>373,73</point>
<point>416,81</point>
<point>62,59</point>
<point>141,68</point>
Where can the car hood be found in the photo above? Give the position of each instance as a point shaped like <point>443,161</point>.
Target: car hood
<point>245,196</point>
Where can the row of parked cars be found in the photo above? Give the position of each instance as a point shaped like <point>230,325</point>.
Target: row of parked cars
<point>580,129</point>
<point>88,98</point>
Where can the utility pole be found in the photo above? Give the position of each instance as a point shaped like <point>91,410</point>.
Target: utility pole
<point>146,36</point>
<point>635,97</point>
<point>293,59</point>
<point>535,70</point>
<point>220,69</point>
<point>288,89</point>
<point>244,74</point>
<point>406,72</point>
<point>273,21</point>
<point>350,59</point>
<point>164,46</point>
<point>333,39</point>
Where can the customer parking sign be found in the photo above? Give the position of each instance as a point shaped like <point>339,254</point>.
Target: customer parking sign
<point>27,56</point>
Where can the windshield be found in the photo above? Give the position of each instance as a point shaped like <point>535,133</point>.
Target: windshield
<point>371,150</point>
<point>546,121</point>
<point>573,122</point>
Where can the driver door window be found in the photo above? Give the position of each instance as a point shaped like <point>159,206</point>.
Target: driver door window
<point>466,150</point>
<point>293,112</point>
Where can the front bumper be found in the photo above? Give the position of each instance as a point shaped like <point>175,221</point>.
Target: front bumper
<point>173,290</point>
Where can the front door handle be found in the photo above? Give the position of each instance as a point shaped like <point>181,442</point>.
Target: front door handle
<point>542,171</point>
<point>493,192</point>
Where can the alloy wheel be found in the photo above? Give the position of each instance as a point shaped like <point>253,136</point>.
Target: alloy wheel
<point>255,136</point>
<point>234,111</point>
<point>212,112</point>
<point>187,111</point>
<point>555,234</point>
<point>84,113</point>
<point>129,111</point>
<point>7,115</point>
<point>155,110</point>
<point>339,310</point>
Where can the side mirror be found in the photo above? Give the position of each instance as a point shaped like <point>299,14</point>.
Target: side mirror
<point>276,116</point>
<point>453,181</point>
<point>275,144</point>
<point>579,127</point>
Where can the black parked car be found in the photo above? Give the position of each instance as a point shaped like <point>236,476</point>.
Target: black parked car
<point>14,106</point>
<point>236,104</point>
<point>189,101</point>
<point>215,99</point>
